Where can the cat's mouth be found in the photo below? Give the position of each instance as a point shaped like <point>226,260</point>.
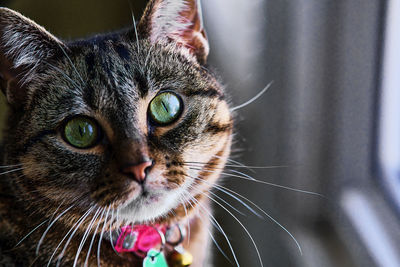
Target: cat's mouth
<point>147,205</point>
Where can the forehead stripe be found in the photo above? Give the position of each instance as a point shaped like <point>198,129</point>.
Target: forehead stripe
<point>141,83</point>
<point>122,52</point>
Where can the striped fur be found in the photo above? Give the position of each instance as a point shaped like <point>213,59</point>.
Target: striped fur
<point>112,79</point>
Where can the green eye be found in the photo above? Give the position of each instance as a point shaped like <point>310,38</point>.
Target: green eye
<point>165,108</point>
<point>81,132</point>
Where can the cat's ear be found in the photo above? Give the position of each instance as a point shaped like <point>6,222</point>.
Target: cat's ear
<point>24,46</point>
<point>178,21</point>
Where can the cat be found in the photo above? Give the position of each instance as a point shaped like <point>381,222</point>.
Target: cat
<point>110,133</point>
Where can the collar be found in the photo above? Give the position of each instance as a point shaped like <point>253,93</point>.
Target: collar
<point>140,239</point>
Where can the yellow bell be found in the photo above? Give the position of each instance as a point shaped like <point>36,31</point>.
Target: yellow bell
<point>181,259</point>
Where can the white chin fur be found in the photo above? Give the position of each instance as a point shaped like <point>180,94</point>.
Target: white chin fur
<point>144,209</point>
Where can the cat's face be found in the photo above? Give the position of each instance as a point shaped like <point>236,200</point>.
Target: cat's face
<point>137,126</point>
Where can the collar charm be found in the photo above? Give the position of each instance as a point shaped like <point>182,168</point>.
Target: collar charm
<point>180,257</point>
<point>148,242</point>
<point>139,239</point>
<point>155,258</point>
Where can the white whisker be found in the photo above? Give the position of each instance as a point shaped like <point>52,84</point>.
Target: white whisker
<point>72,64</point>
<point>187,219</point>
<point>110,230</point>
<point>93,237</point>
<point>10,166</point>
<point>249,167</point>
<point>86,214</point>
<point>216,186</point>
<point>253,98</point>
<point>34,229</point>
<point>209,232</point>
<point>227,190</point>
<point>64,75</point>
<point>101,236</point>
<point>219,228</point>
<point>14,170</point>
<point>50,225</point>
<point>65,236</point>
<point>249,178</point>
<point>135,28</point>
<point>85,236</point>
<point>241,224</point>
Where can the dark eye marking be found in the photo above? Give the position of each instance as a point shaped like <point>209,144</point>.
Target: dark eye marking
<point>37,138</point>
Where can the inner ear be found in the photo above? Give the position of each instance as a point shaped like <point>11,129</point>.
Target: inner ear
<point>178,21</point>
<point>9,82</point>
<point>24,47</point>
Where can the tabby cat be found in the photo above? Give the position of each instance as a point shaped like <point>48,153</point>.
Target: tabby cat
<point>107,134</point>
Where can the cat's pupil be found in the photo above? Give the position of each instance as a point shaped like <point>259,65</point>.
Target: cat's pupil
<point>162,102</point>
<point>80,131</point>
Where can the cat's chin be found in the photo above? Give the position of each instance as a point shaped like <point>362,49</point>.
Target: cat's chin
<point>149,206</point>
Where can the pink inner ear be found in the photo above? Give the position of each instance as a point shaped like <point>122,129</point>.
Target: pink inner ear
<point>193,36</point>
<point>178,21</point>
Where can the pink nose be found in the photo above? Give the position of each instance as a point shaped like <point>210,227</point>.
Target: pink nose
<point>139,171</point>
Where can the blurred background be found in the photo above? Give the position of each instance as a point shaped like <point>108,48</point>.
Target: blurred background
<point>329,121</point>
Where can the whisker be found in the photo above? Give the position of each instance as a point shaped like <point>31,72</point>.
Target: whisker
<point>203,164</point>
<point>253,98</point>
<point>218,247</point>
<point>64,75</point>
<point>85,236</point>
<point>111,239</point>
<point>101,236</point>
<point>109,230</point>
<point>233,196</point>
<point>227,190</point>
<point>247,177</point>
<point>211,235</point>
<point>241,224</point>
<point>135,28</point>
<point>82,219</point>
<point>93,237</point>
<point>50,225</point>
<point>219,228</point>
<point>10,166</point>
<point>65,236</point>
<point>187,218</point>
<point>234,162</point>
<point>55,212</point>
<point>34,229</point>
<point>225,202</point>
<point>14,170</point>
<point>72,64</point>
